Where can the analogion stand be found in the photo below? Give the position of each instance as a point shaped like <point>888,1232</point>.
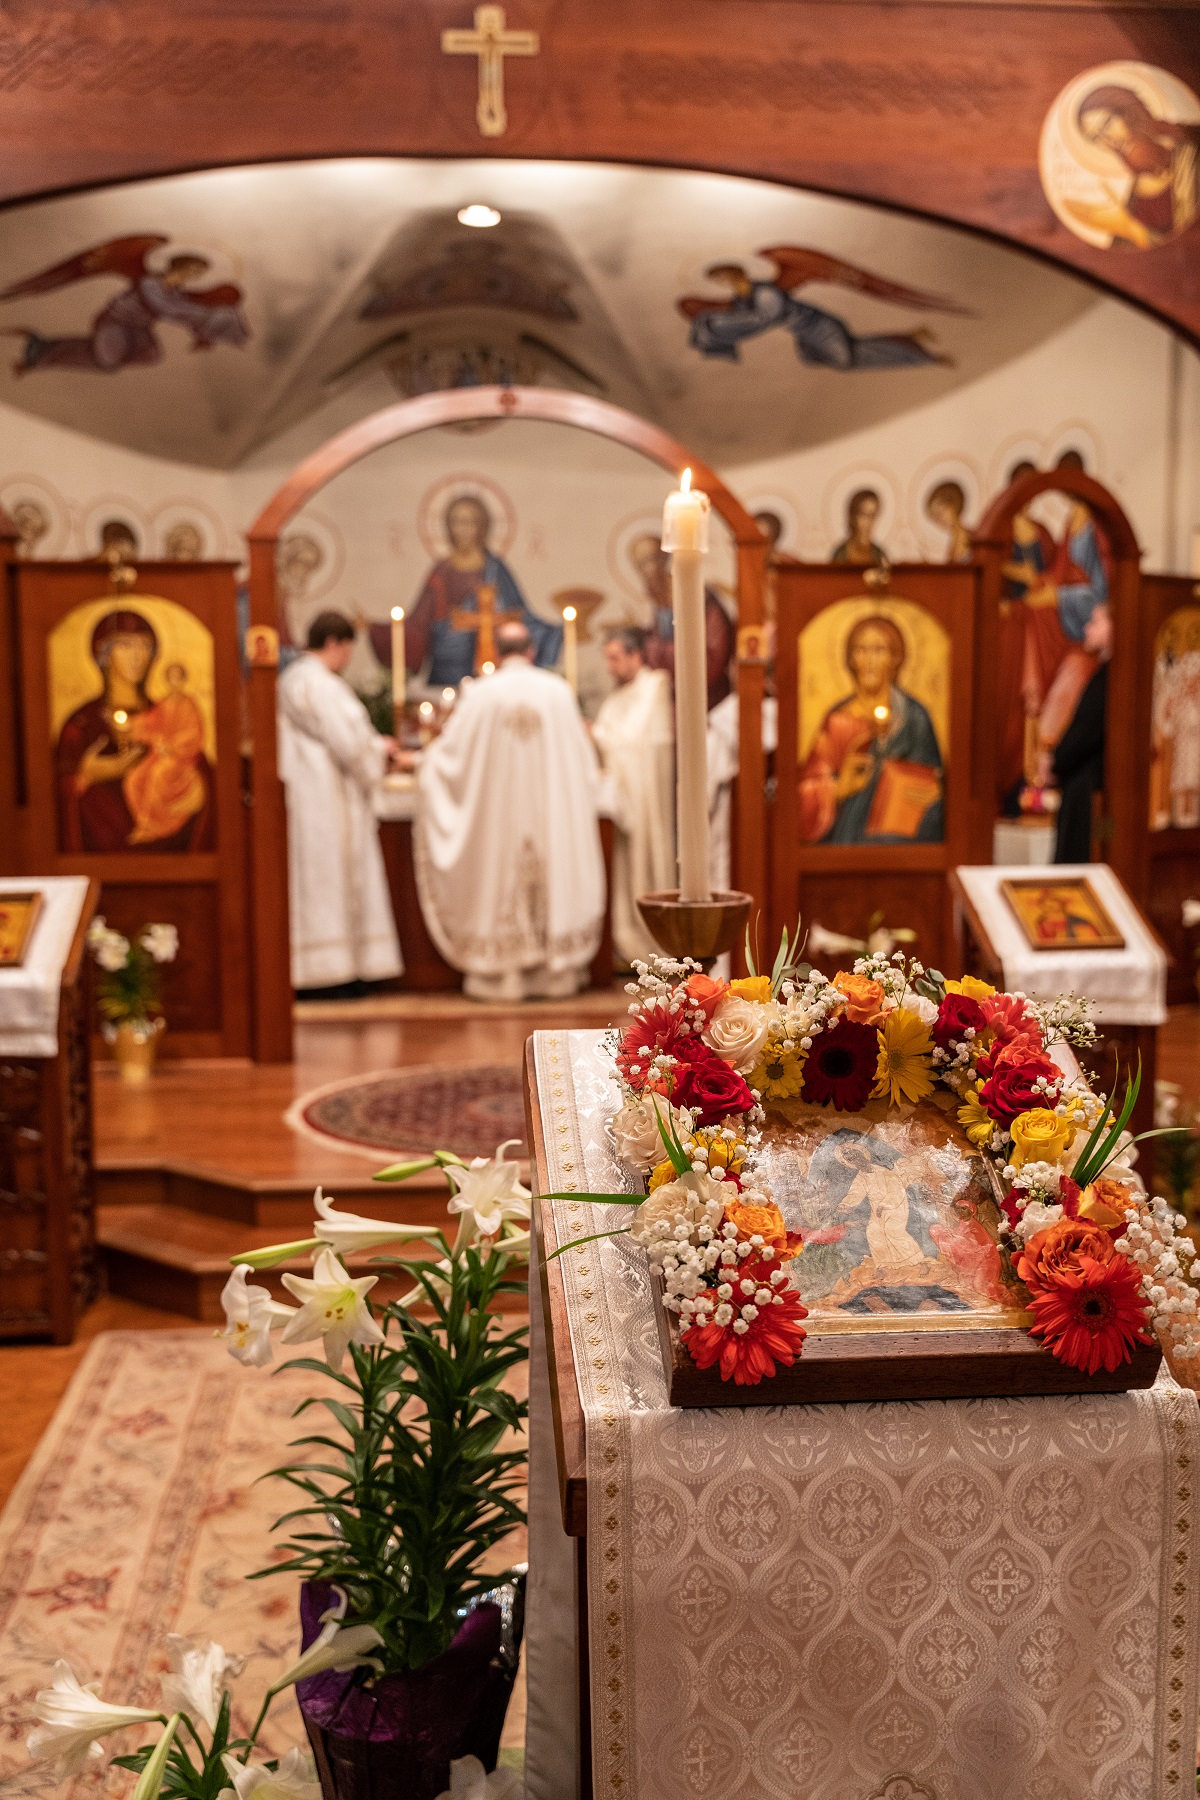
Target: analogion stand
<point>1128,987</point>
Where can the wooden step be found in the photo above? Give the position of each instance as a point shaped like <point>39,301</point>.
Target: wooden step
<point>278,1202</point>
<point>168,1257</point>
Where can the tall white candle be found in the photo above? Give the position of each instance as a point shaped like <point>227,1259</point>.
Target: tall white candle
<point>399,665</point>
<point>685,535</point>
<point>570,648</point>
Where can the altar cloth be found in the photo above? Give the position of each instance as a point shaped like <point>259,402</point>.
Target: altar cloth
<point>29,994</point>
<point>1127,987</point>
<point>986,1600</point>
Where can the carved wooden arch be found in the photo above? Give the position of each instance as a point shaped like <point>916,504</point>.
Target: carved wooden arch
<point>405,419</point>
<point>1125,797</point>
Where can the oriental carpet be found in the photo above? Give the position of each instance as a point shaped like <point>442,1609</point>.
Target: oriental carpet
<point>417,1110</point>
<point>141,1513</point>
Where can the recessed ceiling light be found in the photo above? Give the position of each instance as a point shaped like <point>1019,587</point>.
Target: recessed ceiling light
<point>479,216</point>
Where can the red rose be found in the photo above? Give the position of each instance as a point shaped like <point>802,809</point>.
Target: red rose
<point>957,1015</point>
<point>708,1087</point>
<point>1068,1196</point>
<point>1011,1089</point>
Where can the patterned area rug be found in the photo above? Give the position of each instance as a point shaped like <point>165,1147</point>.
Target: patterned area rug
<point>140,1514</point>
<point>418,1110</point>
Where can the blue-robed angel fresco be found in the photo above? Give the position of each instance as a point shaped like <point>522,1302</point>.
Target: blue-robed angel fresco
<point>124,333</point>
<point>821,338</point>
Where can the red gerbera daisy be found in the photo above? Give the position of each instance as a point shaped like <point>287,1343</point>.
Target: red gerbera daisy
<point>774,1336</point>
<point>655,1029</point>
<point>1094,1317</point>
<point>840,1070</point>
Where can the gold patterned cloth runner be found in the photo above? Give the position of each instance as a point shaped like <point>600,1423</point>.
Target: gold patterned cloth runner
<point>989,1598</point>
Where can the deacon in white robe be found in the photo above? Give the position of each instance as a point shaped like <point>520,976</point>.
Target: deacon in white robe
<point>634,732</point>
<point>510,872</point>
<point>331,758</point>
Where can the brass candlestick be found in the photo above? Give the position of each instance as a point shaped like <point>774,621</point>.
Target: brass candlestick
<point>701,929</point>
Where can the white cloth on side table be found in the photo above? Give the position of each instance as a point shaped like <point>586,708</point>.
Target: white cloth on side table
<point>510,873</point>
<point>29,995</point>
<point>634,732</point>
<point>331,760</point>
<point>1129,986</point>
<point>973,1600</point>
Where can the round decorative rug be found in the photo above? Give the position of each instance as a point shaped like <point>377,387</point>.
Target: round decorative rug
<point>433,1107</point>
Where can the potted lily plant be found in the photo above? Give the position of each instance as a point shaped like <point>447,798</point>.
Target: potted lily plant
<point>408,1480</point>
<point>128,991</point>
<point>409,1647</point>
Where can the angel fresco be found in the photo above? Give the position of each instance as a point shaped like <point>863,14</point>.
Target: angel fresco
<point>821,338</point>
<point>125,330</point>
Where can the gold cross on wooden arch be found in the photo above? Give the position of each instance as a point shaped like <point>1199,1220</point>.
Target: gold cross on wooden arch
<point>491,42</point>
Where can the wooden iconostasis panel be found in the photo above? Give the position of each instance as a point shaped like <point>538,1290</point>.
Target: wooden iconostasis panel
<point>1167,721</point>
<point>132,770</point>
<point>883,779</point>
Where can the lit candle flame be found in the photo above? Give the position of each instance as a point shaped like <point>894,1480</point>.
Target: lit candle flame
<point>685,482</point>
<point>426,709</point>
<point>397,614</point>
<point>448,696</point>
<point>487,668</point>
<point>881,713</point>
<point>569,613</point>
<point>120,716</point>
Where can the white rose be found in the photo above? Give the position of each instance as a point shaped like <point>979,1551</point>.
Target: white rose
<point>636,1134</point>
<point>925,1009</point>
<point>1037,1217</point>
<point>739,1030</point>
<point>692,1199</point>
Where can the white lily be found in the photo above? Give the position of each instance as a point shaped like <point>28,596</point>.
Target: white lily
<point>489,1193</point>
<point>334,1308</point>
<point>160,942</point>
<point>294,1779</point>
<point>198,1677</point>
<point>469,1780</point>
<point>335,1646</point>
<point>250,1317</point>
<point>149,1783</point>
<point>71,1717</point>
<point>344,1231</point>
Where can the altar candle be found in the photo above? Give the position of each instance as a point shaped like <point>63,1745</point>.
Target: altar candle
<point>685,535</point>
<point>570,649</point>
<point>399,666</point>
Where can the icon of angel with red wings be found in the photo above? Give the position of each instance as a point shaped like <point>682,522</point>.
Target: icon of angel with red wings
<point>124,331</point>
<point>821,338</point>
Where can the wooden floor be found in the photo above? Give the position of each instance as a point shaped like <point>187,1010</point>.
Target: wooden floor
<point>228,1116</point>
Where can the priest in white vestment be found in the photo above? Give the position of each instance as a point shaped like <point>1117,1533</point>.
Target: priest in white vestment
<point>510,872</point>
<point>634,732</point>
<point>331,759</point>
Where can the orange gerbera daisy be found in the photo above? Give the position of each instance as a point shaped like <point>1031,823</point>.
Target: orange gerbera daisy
<point>1086,1297</point>
<point>774,1336</point>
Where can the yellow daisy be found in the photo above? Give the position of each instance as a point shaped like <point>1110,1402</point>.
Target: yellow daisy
<point>905,1048</point>
<point>752,987</point>
<point>975,1121</point>
<point>779,1073</point>
<point>971,987</point>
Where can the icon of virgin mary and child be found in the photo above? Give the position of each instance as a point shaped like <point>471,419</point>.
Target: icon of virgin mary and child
<point>874,772</point>
<point>131,771</point>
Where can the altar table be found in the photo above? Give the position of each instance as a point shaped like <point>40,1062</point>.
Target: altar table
<point>940,1600</point>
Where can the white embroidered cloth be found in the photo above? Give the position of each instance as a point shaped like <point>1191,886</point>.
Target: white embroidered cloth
<point>29,995</point>
<point>1129,986</point>
<point>986,1600</point>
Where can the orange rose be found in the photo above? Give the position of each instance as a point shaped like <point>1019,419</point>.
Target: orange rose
<point>765,1220</point>
<point>705,993</point>
<point>1054,1255</point>
<point>864,998</point>
<point>1104,1202</point>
